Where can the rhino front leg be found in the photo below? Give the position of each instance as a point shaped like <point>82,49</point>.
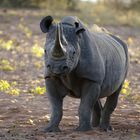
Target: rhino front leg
<point>56,100</point>
<point>109,107</point>
<point>56,116</point>
<point>90,94</point>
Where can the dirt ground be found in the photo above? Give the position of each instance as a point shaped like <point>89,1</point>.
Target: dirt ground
<point>23,117</point>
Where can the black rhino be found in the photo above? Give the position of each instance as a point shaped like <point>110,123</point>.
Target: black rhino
<point>86,65</point>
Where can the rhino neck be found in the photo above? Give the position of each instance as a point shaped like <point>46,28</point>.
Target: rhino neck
<point>58,49</point>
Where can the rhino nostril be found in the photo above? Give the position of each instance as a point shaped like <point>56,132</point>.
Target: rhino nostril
<point>48,66</point>
<point>65,68</point>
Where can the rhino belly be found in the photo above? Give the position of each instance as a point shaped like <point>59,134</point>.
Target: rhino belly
<point>110,85</point>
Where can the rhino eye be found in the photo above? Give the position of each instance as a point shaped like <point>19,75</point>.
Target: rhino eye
<point>74,52</point>
<point>45,50</point>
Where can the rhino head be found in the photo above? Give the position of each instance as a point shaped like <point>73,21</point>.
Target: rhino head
<point>62,49</point>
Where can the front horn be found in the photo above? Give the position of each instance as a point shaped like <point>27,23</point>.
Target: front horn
<point>58,48</point>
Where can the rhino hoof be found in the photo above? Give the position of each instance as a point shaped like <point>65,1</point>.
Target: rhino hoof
<point>106,128</point>
<point>83,128</point>
<point>51,129</point>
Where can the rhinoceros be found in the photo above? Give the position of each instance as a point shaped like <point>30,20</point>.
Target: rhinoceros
<point>86,65</point>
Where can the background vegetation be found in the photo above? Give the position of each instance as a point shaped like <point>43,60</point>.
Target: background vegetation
<point>125,12</point>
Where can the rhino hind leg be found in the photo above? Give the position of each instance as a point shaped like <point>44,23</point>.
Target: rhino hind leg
<point>109,107</point>
<point>96,114</point>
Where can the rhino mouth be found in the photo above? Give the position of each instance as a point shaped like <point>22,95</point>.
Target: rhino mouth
<point>59,74</point>
<point>58,71</point>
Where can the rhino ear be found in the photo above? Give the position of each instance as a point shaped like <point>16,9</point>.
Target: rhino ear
<point>79,28</point>
<point>46,23</point>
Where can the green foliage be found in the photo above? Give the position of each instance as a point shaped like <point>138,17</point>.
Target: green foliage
<point>127,93</point>
<point>25,30</point>
<point>135,5</point>
<point>38,64</point>
<point>8,88</point>
<point>123,4</point>
<point>126,90</point>
<point>7,45</point>
<point>37,50</point>
<point>16,3</point>
<point>103,14</point>
<point>4,85</point>
<point>5,65</point>
<point>38,90</point>
<point>70,4</point>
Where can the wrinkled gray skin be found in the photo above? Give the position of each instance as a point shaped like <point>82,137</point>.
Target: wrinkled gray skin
<point>84,65</point>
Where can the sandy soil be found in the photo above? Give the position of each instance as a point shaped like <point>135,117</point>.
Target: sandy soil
<point>23,117</point>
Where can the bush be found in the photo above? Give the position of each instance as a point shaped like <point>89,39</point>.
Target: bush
<point>51,4</point>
